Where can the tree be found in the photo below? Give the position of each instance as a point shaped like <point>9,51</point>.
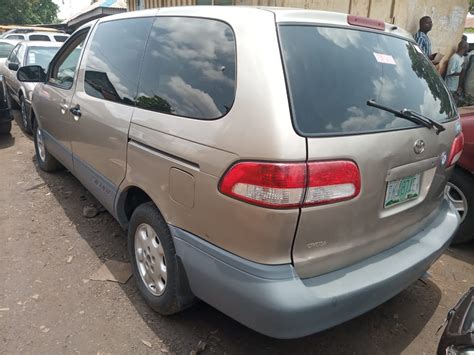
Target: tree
<point>27,12</point>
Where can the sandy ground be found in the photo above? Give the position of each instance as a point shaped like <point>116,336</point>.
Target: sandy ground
<point>48,304</point>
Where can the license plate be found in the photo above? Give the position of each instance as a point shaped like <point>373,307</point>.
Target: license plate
<point>402,190</point>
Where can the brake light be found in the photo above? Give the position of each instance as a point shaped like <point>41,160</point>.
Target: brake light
<point>456,149</point>
<point>365,22</point>
<point>290,185</point>
<point>332,181</point>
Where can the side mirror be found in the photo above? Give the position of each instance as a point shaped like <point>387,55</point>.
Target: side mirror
<point>13,66</point>
<point>32,74</point>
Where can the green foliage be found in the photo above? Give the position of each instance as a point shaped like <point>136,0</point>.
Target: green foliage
<point>27,12</point>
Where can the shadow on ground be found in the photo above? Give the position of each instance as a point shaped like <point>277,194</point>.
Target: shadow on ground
<point>463,252</point>
<point>388,329</point>
<point>6,141</point>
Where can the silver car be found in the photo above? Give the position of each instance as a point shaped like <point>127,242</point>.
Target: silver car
<point>285,166</point>
<point>25,53</point>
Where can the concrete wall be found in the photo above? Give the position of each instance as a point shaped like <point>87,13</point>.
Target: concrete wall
<point>448,15</point>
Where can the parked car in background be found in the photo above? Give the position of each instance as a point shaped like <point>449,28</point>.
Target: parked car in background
<point>460,188</point>
<point>38,36</point>
<point>6,47</point>
<point>245,172</point>
<point>25,53</point>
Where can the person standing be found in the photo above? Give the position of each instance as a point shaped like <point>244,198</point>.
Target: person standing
<point>455,66</point>
<point>421,37</point>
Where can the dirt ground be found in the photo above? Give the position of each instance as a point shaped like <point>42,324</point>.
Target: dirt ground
<point>48,304</point>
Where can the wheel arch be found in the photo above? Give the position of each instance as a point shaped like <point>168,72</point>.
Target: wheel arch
<point>127,200</point>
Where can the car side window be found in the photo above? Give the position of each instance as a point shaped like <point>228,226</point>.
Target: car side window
<point>15,37</point>
<point>114,58</point>
<point>39,38</point>
<point>64,68</point>
<point>189,68</point>
<point>12,58</point>
<point>61,38</point>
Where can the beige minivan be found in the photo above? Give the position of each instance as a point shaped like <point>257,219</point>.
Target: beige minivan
<point>285,166</point>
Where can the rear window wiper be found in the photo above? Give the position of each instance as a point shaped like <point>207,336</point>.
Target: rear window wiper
<point>411,115</point>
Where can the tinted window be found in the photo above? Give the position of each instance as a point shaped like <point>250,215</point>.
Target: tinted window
<point>332,73</point>
<point>40,56</point>
<point>39,38</point>
<point>61,38</point>
<point>15,37</point>
<point>189,68</point>
<point>5,49</point>
<point>114,57</point>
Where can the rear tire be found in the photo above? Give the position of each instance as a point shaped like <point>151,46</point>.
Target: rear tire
<point>460,191</point>
<point>157,269</point>
<point>45,160</point>
<point>5,128</point>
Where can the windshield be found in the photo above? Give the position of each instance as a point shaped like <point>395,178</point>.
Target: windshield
<point>333,72</point>
<point>40,56</point>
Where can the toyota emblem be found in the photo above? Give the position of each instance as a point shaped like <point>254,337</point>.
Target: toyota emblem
<point>419,146</point>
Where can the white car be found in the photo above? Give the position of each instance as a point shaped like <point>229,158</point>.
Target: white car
<point>38,36</point>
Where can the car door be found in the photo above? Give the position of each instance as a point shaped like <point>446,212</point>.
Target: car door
<point>104,102</point>
<point>53,103</point>
<point>9,74</point>
<point>13,81</point>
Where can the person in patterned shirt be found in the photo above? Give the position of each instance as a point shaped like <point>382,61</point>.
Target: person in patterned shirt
<point>421,37</point>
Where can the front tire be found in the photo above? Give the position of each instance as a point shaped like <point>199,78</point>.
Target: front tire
<point>25,120</point>
<point>460,191</point>
<point>45,160</point>
<point>157,269</point>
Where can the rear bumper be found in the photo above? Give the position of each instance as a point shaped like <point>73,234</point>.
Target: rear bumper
<point>274,301</point>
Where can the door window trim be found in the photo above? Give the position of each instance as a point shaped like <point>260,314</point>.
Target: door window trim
<point>13,53</point>
<point>71,42</point>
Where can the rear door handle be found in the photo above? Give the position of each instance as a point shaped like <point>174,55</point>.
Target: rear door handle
<point>76,112</point>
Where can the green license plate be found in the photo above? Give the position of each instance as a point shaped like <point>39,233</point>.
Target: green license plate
<point>402,190</point>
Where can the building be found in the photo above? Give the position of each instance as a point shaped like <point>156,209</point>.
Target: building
<point>448,16</point>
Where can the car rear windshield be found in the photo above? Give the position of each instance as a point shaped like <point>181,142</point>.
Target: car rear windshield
<point>40,56</point>
<point>333,72</point>
<point>5,49</point>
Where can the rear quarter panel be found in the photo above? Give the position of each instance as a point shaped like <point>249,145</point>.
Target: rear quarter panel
<point>467,123</point>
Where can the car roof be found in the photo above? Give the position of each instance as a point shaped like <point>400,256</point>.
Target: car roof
<point>41,44</point>
<point>282,14</point>
<point>46,33</point>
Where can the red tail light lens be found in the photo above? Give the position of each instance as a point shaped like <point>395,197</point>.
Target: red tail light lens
<point>275,185</point>
<point>332,181</point>
<point>289,185</point>
<point>456,149</point>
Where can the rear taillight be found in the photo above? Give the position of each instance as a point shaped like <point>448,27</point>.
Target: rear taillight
<point>332,181</point>
<point>456,149</point>
<point>289,185</point>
